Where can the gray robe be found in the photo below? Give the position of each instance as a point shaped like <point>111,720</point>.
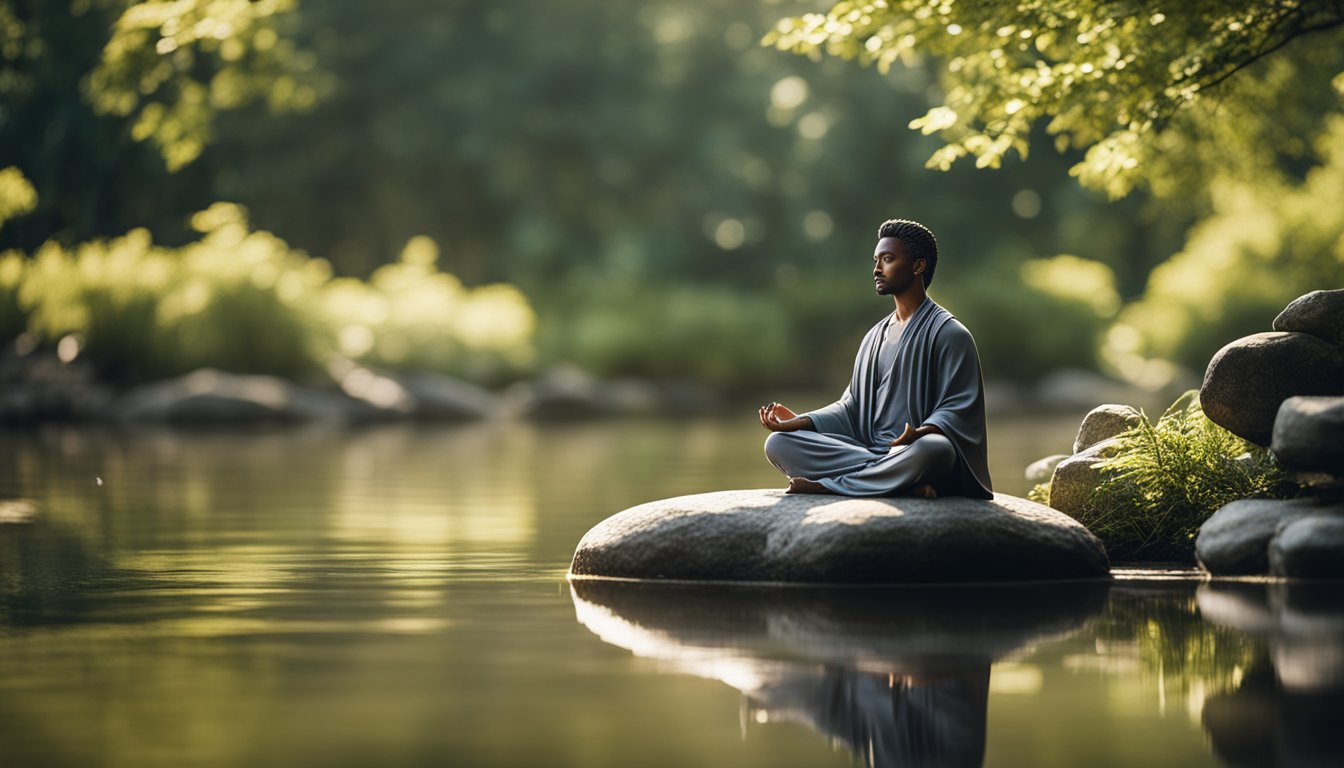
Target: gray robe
<point>935,381</point>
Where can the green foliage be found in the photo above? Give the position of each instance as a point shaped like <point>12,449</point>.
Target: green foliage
<point>17,195</point>
<point>1046,314</point>
<point>1130,85</point>
<point>409,315</point>
<point>1040,493</point>
<point>1167,478</point>
<point>242,300</point>
<point>172,66</point>
<point>718,336</point>
<point>1266,243</point>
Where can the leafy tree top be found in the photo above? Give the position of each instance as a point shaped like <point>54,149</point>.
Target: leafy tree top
<point>1133,83</point>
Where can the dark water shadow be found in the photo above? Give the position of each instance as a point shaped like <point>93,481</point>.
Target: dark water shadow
<point>1287,708</point>
<point>898,676</point>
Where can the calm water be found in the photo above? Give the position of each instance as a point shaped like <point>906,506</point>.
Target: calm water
<point>396,597</point>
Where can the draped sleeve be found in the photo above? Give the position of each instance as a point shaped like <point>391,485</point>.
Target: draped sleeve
<point>955,404</point>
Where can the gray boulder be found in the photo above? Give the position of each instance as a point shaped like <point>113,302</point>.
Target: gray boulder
<point>1247,380</point>
<point>1319,313</point>
<point>1076,477</point>
<point>768,536</point>
<point>1104,422</point>
<point>561,394</point>
<point>1309,433</point>
<point>210,396</point>
<point>1041,470</point>
<point>425,396</point>
<point>1309,548</point>
<point>1235,539</point>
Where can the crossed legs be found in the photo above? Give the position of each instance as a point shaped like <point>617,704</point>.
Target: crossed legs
<point>825,463</point>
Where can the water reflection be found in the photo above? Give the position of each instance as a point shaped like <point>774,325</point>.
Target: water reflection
<point>1285,711</point>
<point>899,677</point>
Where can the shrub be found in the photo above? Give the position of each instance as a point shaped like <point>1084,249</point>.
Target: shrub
<point>242,300</point>
<point>1167,478</point>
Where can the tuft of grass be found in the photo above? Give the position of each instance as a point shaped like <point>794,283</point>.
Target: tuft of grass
<point>1168,477</point>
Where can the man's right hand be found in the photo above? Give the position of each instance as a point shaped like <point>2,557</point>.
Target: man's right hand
<point>779,418</point>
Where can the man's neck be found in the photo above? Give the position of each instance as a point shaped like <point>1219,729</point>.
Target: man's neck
<point>908,302</point>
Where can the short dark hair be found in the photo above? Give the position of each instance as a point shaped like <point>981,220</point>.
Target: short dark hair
<point>918,242</point>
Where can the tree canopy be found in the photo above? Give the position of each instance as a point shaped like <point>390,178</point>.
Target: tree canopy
<point>1156,93</point>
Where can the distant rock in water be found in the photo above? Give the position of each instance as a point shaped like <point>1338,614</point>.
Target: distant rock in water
<point>209,396</point>
<point>768,536</point>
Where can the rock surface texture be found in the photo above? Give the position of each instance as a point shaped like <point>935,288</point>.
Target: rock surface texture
<point>1236,539</point>
<point>1247,380</point>
<point>1105,422</point>
<point>768,536</point>
<point>1319,313</point>
<point>1309,434</point>
<point>1077,476</point>
<point>1309,548</point>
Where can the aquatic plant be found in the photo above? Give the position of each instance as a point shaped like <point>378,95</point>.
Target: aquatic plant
<point>1167,478</point>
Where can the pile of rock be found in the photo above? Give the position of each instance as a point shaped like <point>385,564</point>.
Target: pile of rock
<point>1283,390</point>
<point>1286,390</point>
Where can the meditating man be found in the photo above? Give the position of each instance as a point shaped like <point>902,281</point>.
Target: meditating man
<point>912,420</point>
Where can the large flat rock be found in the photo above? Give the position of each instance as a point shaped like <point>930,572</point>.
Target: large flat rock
<point>768,536</point>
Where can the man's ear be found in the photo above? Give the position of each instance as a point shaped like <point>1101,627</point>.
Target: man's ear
<point>920,264</point>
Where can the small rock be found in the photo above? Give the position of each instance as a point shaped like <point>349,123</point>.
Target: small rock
<point>1309,548</point>
<point>1235,539</point>
<point>209,396</point>
<point>1319,313</point>
<point>1247,380</point>
<point>1041,470</point>
<point>768,536</point>
<point>561,394</point>
<point>1076,477</point>
<point>1309,433</point>
<point>1104,422</point>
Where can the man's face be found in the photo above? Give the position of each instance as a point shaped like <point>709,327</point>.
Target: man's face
<point>893,269</point>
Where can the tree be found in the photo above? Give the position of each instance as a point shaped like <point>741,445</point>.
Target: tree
<point>1159,95</point>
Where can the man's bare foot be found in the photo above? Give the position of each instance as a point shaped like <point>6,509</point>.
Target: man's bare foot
<point>803,485</point>
<point>924,492</point>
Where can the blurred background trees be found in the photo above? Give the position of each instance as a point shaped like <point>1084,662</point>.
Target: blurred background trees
<point>648,189</point>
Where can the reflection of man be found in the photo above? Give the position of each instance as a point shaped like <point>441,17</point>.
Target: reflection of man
<point>890,721</point>
<point>912,419</point>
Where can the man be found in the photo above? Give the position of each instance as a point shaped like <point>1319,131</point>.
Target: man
<point>912,420</point>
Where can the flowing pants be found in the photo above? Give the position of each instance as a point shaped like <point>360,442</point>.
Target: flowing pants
<point>847,467</point>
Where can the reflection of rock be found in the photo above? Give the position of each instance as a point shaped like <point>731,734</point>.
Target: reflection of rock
<point>890,629</point>
<point>1285,713</point>
<point>900,676</point>
<point>1304,622</point>
<point>765,535</point>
